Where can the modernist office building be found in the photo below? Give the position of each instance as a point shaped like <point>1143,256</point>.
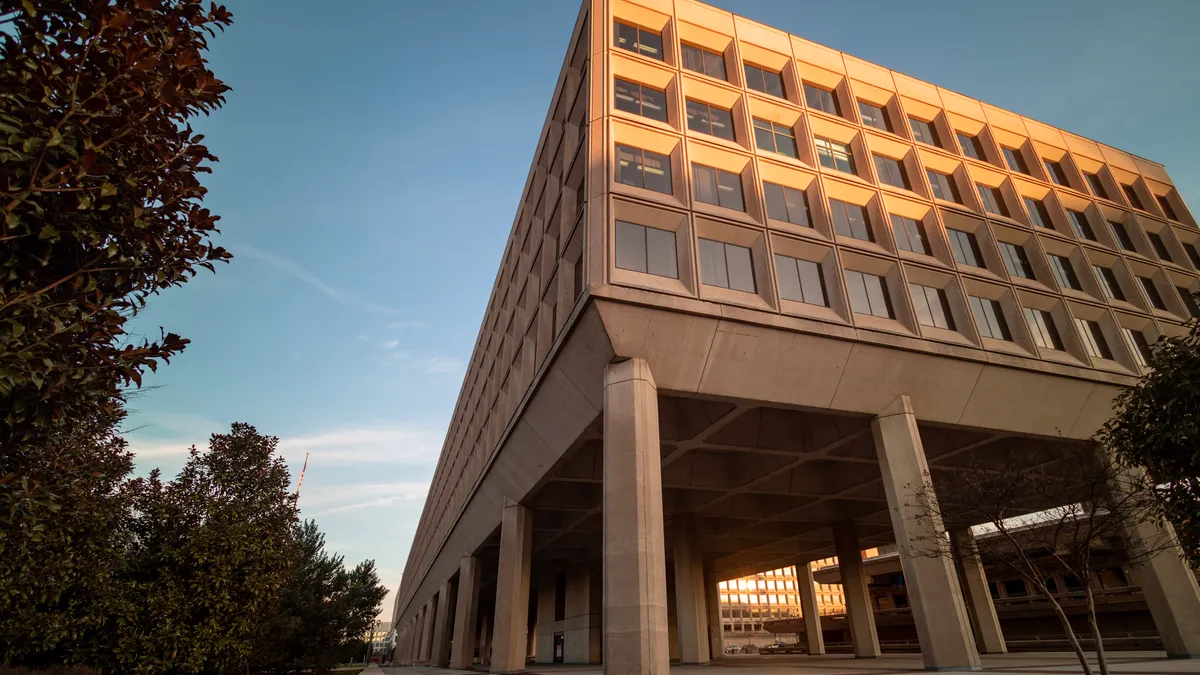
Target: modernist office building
<point>754,288</point>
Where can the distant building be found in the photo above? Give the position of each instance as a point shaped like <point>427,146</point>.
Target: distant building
<point>382,638</point>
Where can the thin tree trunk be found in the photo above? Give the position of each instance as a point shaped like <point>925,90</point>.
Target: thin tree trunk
<point>1091,609</point>
<point>1078,649</point>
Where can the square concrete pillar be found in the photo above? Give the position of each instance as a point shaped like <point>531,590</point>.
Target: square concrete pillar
<point>933,591</point>
<point>582,637</point>
<point>485,639</point>
<point>462,647</point>
<point>635,580</point>
<point>441,626</point>
<point>1170,589</point>
<point>712,604</point>
<point>859,612</point>
<point>690,604</point>
<point>807,590</point>
<point>426,630</point>
<point>543,651</point>
<point>511,629</point>
<point>979,600</point>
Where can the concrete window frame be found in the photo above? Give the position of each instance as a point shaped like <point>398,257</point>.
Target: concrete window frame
<point>837,309</point>
<point>1072,352</point>
<point>939,251</point>
<point>806,182</point>
<point>660,218</point>
<point>1014,318</point>
<point>742,165</point>
<point>1122,360</point>
<point>869,200</point>
<point>753,239</point>
<point>1042,276</point>
<point>904,320</point>
<point>964,332</point>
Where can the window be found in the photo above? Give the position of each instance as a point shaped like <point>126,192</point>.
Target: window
<point>787,204</point>
<point>993,201</point>
<point>1056,171</point>
<point>644,169</point>
<point>1189,300</point>
<point>726,266</point>
<point>933,309</point>
<point>717,187</point>
<point>923,132</point>
<point>868,294</point>
<point>965,248</point>
<point>971,146</point>
<point>1079,225</point>
<point>1095,185</point>
<point>891,172</point>
<point>910,234</point>
<point>1165,204</point>
<point>850,220</point>
<point>1160,246</point>
<point>1064,273</point>
<point>943,186</point>
<point>704,62</point>
<point>833,155</point>
<point>821,99</point>
<point>1108,282</point>
<point>640,100</point>
<point>1152,295</point>
<point>1138,346</point>
<point>989,317</point>
<point>1041,325</point>
<point>1121,235</point>
<point>639,40</point>
<point>1093,339</point>
<point>874,116</point>
<point>1039,215</point>
<point>800,280</point>
<point>1015,160</point>
<point>774,137</point>
<point>708,119</point>
<point>1193,251</point>
<point>1015,260</point>
<point>1132,195</point>
<point>766,81</point>
<point>646,249</point>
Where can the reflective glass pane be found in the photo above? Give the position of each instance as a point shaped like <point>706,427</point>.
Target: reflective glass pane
<point>693,58</point>
<point>650,44</point>
<point>654,104</point>
<point>921,305</point>
<point>797,207</point>
<point>626,96</point>
<point>625,36</point>
<point>714,65</point>
<point>729,190</point>
<point>629,165</point>
<point>741,271</point>
<point>712,263</point>
<point>789,279</point>
<point>774,83</point>
<point>722,123</point>
<point>776,205</point>
<point>704,184</point>
<point>812,283</point>
<point>661,258</point>
<point>859,302</point>
<point>657,171</point>
<point>877,295</point>
<point>631,246</point>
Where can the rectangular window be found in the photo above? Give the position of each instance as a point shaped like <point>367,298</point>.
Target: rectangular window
<point>868,294</point>
<point>640,100</point>
<point>1057,173</point>
<point>639,40</point>
<point>910,234</point>
<point>1016,261</point>
<point>971,146</point>
<point>1152,295</point>
<point>717,187</point>
<point>1160,246</point>
<point>1079,224</point>
<point>1193,251</point>
<point>993,201</point>
<point>1121,235</point>
<point>1095,185</point>
<point>1136,340</point>
<point>874,116</point>
<point>989,317</point>
<point>833,155</point>
<point>891,172</point>
<point>821,99</point>
<point>1015,160</point>
<point>766,81</point>
<point>644,169</point>
<point>702,61</point>
<point>850,220</point>
<point>1108,282</point>
<point>774,137</point>
<point>646,249</point>
<point>709,119</point>
<point>787,204</point>
<point>1132,195</point>
<point>1189,301</point>
<point>1165,204</point>
<point>1064,273</point>
<point>965,248</point>
<point>943,186</point>
<point>726,266</point>
<point>923,132</point>
<point>933,309</point>
<point>1041,325</point>
<point>1093,339</point>
<point>1039,215</point>
<point>800,280</point>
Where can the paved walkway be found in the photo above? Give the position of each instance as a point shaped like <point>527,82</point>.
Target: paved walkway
<point>1050,663</point>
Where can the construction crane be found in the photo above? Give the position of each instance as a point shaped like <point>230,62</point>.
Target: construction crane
<point>302,470</point>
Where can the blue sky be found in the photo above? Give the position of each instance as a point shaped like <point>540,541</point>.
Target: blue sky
<point>372,156</point>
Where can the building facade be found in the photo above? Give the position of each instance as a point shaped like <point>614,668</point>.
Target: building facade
<point>756,292</point>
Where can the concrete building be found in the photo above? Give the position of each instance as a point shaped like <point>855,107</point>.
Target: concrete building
<point>755,291</point>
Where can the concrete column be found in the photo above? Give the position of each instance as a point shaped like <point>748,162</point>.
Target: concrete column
<point>859,612</point>
<point>441,626</point>
<point>807,590</point>
<point>712,603</point>
<point>979,600</point>
<point>511,641</point>
<point>635,581</point>
<point>933,591</point>
<point>462,647</point>
<point>690,607</point>
<point>485,639</point>
<point>427,631</point>
<point>543,650</point>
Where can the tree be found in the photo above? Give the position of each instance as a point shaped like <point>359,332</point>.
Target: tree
<point>1157,426</point>
<point>1045,509</point>
<point>324,610</point>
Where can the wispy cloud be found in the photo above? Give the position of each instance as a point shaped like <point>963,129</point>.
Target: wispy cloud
<point>296,271</point>
<point>328,500</point>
